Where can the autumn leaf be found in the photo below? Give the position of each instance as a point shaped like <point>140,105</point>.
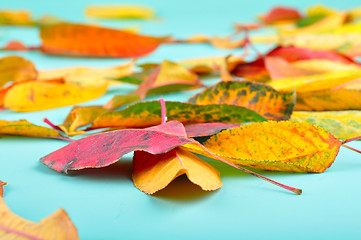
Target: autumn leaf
<point>207,129</point>
<point>10,17</point>
<point>154,172</point>
<point>56,226</point>
<point>260,98</point>
<point>342,124</point>
<point>280,146</point>
<point>164,76</point>
<point>25,128</point>
<point>119,11</point>
<point>1,188</point>
<point>145,114</point>
<point>120,100</point>
<point>38,95</point>
<point>279,15</point>
<point>16,69</point>
<point>73,40</point>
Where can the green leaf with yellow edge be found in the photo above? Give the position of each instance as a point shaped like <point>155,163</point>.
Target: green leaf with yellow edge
<point>315,82</point>
<point>342,124</point>
<point>39,95</point>
<point>16,69</point>
<point>166,75</point>
<point>78,117</point>
<point>56,226</point>
<point>145,114</point>
<point>279,146</point>
<point>258,97</point>
<point>154,172</point>
<point>119,11</point>
<point>25,128</point>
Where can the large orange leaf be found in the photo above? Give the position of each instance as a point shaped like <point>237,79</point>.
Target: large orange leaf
<point>154,172</point>
<point>87,40</point>
<point>16,69</point>
<point>57,226</point>
<point>39,95</point>
<point>258,97</point>
<point>280,146</point>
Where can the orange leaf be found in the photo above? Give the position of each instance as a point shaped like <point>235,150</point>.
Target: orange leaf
<point>281,15</point>
<point>56,226</point>
<point>16,69</point>
<point>280,146</point>
<point>154,172</point>
<point>86,40</point>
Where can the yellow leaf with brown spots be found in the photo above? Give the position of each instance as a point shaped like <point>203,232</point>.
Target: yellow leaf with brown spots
<point>154,172</point>
<point>38,95</point>
<point>57,226</point>
<point>279,146</point>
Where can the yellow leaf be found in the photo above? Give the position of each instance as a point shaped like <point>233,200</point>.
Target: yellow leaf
<point>154,172</point>
<point>281,146</point>
<point>342,124</point>
<point>25,128</point>
<point>119,11</point>
<point>320,9</point>
<point>315,82</point>
<point>324,66</point>
<point>87,75</point>
<point>16,69</point>
<point>37,95</point>
<point>57,226</point>
<point>11,17</point>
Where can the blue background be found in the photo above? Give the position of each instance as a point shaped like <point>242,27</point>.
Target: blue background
<point>104,204</point>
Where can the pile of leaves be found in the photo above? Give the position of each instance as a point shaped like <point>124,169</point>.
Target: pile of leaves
<point>290,109</point>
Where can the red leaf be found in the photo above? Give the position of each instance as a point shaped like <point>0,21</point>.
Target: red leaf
<point>281,14</point>
<point>103,149</point>
<point>86,40</point>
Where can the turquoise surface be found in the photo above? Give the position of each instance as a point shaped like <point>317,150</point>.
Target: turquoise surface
<point>104,204</point>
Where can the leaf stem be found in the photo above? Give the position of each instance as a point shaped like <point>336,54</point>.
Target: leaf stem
<point>52,125</point>
<point>163,110</point>
<point>295,190</point>
<point>351,139</point>
<point>351,148</point>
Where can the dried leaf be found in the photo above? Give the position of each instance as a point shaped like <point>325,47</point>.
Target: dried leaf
<point>78,117</point>
<point>154,172</point>
<point>106,148</point>
<point>16,69</point>
<point>56,226</point>
<point>342,124</point>
<point>119,11</point>
<point>164,76</point>
<point>85,40</point>
<point>279,15</point>
<point>260,98</point>
<point>206,129</point>
<point>37,95</point>
<point>280,146</point>
<point>145,114</point>
<point>87,75</point>
<point>1,188</point>
<point>25,128</point>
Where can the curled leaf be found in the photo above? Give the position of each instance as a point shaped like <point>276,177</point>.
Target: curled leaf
<point>260,98</point>
<point>279,146</point>
<point>56,226</point>
<point>154,172</point>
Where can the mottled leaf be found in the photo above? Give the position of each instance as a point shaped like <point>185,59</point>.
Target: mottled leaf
<point>86,40</point>
<point>25,128</point>
<point>260,98</point>
<point>206,129</point>
<point>280,146</point>
<point>78,117</point>
<point>38,95</point>
<point>119,11</point>
<point>144,114</point>
<point>154,172</point>
<point>106,148</point>
<point>56,226</point>
<point>342,124</point>
<point>16,69</point>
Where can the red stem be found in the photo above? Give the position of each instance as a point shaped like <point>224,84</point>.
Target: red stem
<point>163,110</point>
<point>351,148</point>
<point>52,125</point>
<point>295,190</point>
<point>351,139</point>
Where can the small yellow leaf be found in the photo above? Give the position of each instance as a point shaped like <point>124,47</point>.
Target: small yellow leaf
<point>119,11</point>
<point>57,226</point>
<point>154,172</point>
<point>280,146</point>
<point>38,95</point>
